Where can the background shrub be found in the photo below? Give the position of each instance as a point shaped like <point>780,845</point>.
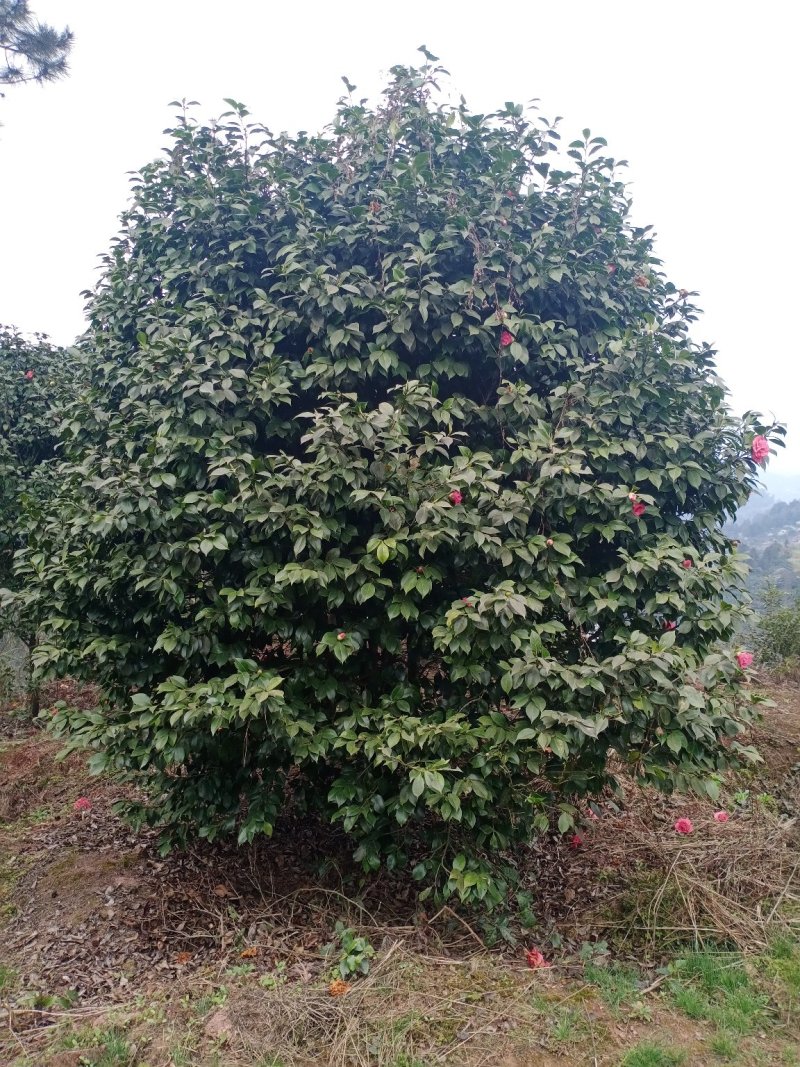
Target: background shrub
<point>775,629</point>
<point>37,380</point>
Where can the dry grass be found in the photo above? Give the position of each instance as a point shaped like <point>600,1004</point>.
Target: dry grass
<point>410,1009</point>
<point>735,883</point>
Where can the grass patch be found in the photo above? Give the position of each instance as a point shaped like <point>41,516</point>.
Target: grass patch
<point>782,966</point>
<point>617,983</point>
<point>648,1054</point>
<point>568,1026</point>
<point>110,1047</point>
<point>8,979</point>
<point>725,1046</point>
<point>715,987</point>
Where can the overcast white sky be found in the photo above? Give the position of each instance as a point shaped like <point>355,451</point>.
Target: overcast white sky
<point>701,97</point>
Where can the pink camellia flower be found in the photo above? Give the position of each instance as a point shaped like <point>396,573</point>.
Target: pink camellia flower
<point>82,805</point>
<point>30,375</point>
<point>721,816</point>
<point>535,959</point>
<point>668,624</point>
<point>759,449</point>
<point>684,826</point>
<point>506,339</point>
<point>341,636</point>
<point>687,563</point>
<point>575,841</point>
<point>455,497</point>
<point>550,542</point>
<point>744,659</point>
<point>638,509</point>
<point>633,497</point>
<point>466,600</point>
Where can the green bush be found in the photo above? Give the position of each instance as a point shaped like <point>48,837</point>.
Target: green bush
<point>381,499</point>
<point>37,380</point>
<point>775,629</point>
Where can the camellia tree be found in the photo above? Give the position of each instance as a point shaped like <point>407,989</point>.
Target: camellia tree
<point>398,492</point>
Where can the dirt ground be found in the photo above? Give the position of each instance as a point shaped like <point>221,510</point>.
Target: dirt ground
<point>113,955</point>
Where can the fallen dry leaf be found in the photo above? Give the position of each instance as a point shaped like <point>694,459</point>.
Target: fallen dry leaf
<point>338,987</point>
<point>249,953</point>
<point>183,957</point>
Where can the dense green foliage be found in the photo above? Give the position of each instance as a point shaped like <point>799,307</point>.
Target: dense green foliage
<point>31,50</point>
<point>347,513</point>
<point>36,381</point>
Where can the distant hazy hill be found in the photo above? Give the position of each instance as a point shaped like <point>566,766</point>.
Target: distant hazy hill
<point>769,532</point>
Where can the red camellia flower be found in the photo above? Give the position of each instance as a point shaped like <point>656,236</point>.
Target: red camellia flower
<point>670,625</point>
<point>535,959</point>
<point>744,659</point>
<point>82,805</point>
<point>455,497</point>
<point>638,509</point>
<point>687,564</point>
<point>759,450</point>
<point>684,826</point>
<point>575,841</point>
<point>506,339</point>
<point>721,816</point>
<point>30,375</point>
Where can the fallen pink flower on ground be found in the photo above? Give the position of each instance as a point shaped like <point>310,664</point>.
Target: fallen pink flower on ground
<point>744,659</point>
<point>535,959</point>
<point>82,805</point>
<point>721,816</point>
<point>684,826</point>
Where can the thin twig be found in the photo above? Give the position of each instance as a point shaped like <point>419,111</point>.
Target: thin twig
<point>783,892</point>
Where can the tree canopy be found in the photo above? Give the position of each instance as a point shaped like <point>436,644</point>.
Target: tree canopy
<point>31,50</point>
<point>398,492</point>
